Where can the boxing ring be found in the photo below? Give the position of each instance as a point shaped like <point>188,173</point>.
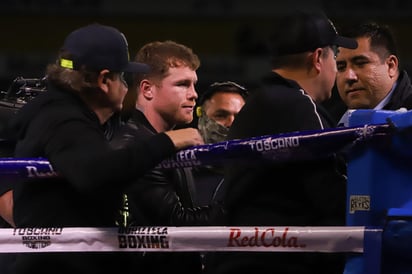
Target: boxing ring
<point>377,237</point>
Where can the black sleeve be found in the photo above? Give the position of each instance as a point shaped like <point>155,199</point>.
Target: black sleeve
<point>78,150</point>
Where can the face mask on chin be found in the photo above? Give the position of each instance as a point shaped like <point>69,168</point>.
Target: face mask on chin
<point>211,131</point>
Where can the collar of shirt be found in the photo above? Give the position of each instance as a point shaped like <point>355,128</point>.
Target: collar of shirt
<point>385,100</point>
<point>344,120</point>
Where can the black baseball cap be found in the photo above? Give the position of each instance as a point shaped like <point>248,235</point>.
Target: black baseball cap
<point>99,47</point>
<point>303,31</point>
<point>227,86</point>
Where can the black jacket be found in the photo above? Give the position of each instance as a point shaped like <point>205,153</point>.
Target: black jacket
<point>164,197</point>
<point>58,126</point>
<point>309,193</point>
<point>402,95</point>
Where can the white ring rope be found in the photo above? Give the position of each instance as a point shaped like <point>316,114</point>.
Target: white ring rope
<point>182,239</point>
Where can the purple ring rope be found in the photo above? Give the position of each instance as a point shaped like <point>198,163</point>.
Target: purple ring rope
<point>275,148</point>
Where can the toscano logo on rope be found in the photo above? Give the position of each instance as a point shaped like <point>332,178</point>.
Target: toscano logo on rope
<point>37,237</point>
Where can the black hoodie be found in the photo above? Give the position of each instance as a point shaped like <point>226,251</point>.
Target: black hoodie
<point>59,126</point>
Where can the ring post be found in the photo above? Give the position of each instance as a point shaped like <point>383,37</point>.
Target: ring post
<point>379,179</point>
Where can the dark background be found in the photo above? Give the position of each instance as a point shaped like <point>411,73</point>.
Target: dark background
<point>228,35</point>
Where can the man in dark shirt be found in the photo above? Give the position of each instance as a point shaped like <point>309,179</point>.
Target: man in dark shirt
<point>217,108</point>
<point>67,125</point>
<point>164,98</point>
<point>294,193</point>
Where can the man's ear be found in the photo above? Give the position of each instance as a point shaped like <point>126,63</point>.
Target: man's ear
<point>317,59</point>
<point>102,80</point>
<point>393,64</point>
<point>146,88</point>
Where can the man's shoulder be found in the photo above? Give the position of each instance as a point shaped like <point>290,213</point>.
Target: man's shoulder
<point>129,132</point>
<point>283,96</point>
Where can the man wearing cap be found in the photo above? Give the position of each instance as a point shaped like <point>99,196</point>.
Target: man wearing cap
<point>309,193</point>
<point>67,125</point>
<point>217,108</point>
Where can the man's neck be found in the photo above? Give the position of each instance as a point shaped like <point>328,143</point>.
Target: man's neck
<point>156,120</point>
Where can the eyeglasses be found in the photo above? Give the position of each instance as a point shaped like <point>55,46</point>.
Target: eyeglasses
<point>335,49</point>
<point>122,79</point>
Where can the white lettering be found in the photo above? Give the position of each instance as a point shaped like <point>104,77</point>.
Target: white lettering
<point>273,144</point>
<point>33,172</point>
